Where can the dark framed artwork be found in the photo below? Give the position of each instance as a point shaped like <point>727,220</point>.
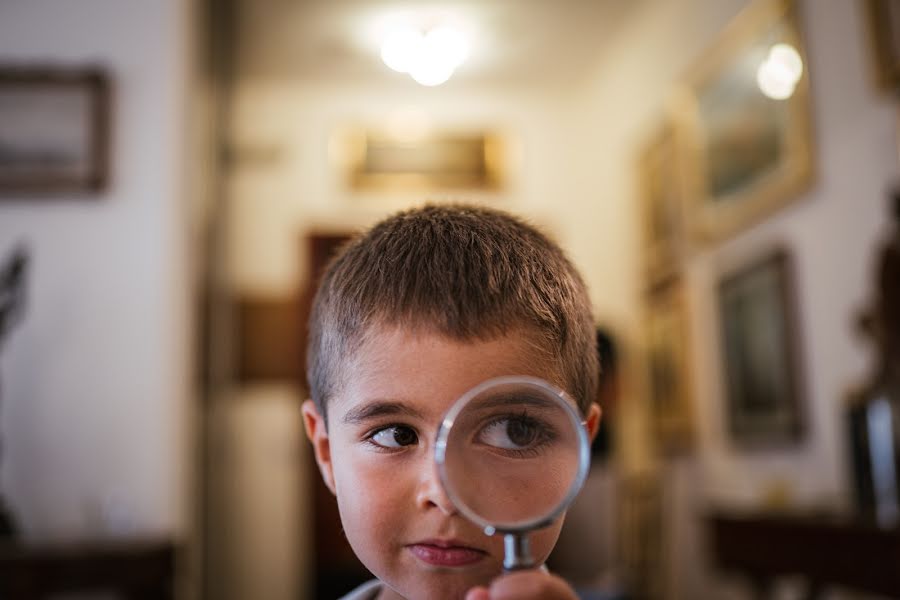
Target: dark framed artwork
<point>760,347</point>
<point>668,361</point>
<point>744,126</point>
<point>54,131</point>
<point>884,26</point>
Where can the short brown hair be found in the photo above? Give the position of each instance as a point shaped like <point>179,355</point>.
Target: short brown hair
<point>465,272</point>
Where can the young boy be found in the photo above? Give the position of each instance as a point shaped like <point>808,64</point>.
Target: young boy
<point>423,307</point>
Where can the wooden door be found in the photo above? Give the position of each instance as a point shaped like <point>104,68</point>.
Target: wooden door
<point>336,568</point>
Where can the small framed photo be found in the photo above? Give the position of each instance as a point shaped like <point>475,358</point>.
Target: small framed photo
<point>884,25</point>
<point>761,352</point>
<point>54,131</point>
<point>668,360</point>
<point>661,193</point>
<point>744,122</point>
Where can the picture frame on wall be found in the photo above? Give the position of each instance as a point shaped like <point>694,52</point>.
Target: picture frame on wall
<point>377,160</point>
<point>661,192</point>
<point>761,352</point>
<point>668,359</point>
<point>54,131</point>
<point>884,28</point>
<point>744,122</point>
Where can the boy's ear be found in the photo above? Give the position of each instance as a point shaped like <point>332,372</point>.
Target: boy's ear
<point>592,422</point>
<point>318,435</point>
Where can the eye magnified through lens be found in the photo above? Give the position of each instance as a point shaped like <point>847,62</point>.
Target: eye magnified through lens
<point>512,454</point>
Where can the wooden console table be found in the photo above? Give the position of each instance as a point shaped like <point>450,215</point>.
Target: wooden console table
<point>135,570</point>
<point>826,551</point>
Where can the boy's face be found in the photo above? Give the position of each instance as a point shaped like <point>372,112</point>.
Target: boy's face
<point>377,456</point>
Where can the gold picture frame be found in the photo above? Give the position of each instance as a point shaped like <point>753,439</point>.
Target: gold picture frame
<point>661,196</point>
<point>747,155</point>
<point>375,160</point>
<point>884,26</point>
<point>668,367</point>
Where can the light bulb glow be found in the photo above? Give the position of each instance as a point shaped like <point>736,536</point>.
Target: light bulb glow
<point>430,59</point>
<point>774,87</point>
<point>787,57</point>
<point>780,72</point>
<point>446,46</point>
<point>400,48</point>
<point>430,74</point>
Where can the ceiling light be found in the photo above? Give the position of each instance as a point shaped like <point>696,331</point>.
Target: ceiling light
<point>400,48</point>
<point>431,58</point>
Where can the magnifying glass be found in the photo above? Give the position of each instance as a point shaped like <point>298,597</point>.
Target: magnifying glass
<point>512,454</point>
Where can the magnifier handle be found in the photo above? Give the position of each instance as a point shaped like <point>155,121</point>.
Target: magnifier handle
<point>516,552</point>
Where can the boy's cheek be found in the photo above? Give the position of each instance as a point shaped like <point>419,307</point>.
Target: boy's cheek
<point>355,472</point>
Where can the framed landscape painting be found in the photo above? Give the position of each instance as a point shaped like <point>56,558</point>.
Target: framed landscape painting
<point>744,123</point>
<point>445,160</point>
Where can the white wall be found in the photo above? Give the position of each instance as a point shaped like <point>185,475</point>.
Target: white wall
<point>97,380</point>
<point>274,204</point>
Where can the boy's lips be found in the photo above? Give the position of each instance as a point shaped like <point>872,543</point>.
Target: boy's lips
<point>445,553</point>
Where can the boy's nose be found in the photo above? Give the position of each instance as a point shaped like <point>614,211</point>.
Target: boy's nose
<point>430,493</point>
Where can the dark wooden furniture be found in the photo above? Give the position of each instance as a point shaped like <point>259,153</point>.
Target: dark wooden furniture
<point>134,570</point>
<point>825,550</point>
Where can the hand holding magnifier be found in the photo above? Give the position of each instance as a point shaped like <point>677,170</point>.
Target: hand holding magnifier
<point>512,454</point>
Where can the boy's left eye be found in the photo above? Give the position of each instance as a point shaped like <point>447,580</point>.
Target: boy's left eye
<point>518,436</point>
<point>395,436</point>
<point>511,433</point>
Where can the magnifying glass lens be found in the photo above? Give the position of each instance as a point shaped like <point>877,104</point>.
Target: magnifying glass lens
<point>513,454</point>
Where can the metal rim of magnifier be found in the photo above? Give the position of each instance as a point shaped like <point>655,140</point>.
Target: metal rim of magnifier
<point>584,456</point>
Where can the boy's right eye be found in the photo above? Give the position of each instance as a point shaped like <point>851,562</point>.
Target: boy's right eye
<point>395,436</point>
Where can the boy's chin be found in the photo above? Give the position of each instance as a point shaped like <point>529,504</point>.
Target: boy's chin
<point>439,585</point>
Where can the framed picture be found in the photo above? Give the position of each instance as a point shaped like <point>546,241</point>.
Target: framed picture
<point>668,352</point>
<point>744,123</point>
<point>760,347</point>
<point>884,25</point>
<point>54,130</point>
<point>377,160</point>
<point>660,185</point>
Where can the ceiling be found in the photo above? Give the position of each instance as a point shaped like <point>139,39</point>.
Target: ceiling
<point>512,41</point>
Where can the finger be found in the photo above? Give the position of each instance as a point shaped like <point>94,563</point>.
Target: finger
<point>531,584</point>
<point>478,593</point>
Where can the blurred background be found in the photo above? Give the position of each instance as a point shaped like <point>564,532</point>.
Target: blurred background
<point>174,174</point>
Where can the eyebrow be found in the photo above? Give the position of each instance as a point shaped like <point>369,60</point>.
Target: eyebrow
<point>515,399</point>
<point>379,408</point>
